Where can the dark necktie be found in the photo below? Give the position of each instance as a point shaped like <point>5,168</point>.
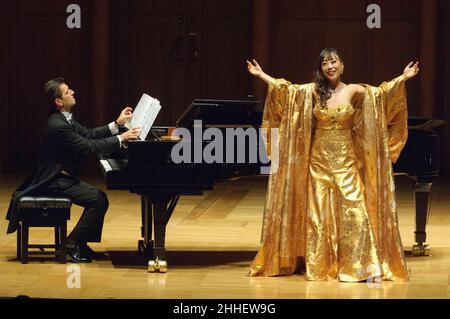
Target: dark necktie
<point>72,122</point>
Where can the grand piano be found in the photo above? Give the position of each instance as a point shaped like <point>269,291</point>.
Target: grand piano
<point>147,168</point>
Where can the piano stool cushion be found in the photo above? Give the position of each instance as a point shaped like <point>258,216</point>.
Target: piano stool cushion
<point>47,207</point>
<point>44,202</point>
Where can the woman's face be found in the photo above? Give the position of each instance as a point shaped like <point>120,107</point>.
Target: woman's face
<point>332,68</point>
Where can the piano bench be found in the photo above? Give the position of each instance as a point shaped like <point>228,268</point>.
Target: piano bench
<point>43,211</point>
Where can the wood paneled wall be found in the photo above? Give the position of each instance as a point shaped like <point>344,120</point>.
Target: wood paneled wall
<point>40,47</point>
<point>177,50</point>
<point>4,80</point>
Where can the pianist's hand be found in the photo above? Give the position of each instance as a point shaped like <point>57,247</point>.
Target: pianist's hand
<point>131,134</point>
<point>411,70</point>
<point>125,116</point>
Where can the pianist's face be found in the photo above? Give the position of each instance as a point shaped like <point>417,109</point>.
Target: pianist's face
<point>67,99</point>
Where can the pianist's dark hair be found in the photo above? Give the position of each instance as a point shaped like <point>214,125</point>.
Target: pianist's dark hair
<point>52,92</point>
<point>322,85</point>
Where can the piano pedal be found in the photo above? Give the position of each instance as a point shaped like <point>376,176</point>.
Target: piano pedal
<point>157,265</point>
<point>421,250</point>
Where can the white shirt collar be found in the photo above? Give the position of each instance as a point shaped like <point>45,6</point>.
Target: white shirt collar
<point>67,115</point>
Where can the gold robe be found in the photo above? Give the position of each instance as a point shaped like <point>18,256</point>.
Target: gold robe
<point>379,133</point>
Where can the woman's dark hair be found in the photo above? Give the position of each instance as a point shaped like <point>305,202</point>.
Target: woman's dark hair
<point>322,85</point>
<point>52,92</point>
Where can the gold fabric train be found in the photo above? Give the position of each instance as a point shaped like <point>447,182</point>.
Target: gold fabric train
<point>378,132</point>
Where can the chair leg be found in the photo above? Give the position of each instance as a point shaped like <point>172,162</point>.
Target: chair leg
<point>63,240</point>
<point>19,242</point>
<point>57,238</point>
<point>24,246</point>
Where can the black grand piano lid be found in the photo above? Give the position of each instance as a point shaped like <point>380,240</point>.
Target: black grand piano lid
<point>416,122</point>
<point>245,112</point>
<point>221,112</point>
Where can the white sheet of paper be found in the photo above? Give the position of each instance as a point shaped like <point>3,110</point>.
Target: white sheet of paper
<point>144,114</point>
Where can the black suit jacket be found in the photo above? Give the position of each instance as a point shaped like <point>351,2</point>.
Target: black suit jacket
<point>63,147</point>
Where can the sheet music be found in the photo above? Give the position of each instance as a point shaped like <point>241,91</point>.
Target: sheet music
<point>144,114</point>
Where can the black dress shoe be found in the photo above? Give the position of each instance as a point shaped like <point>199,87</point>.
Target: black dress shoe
<point>87,251</point>
<point>75,255</point>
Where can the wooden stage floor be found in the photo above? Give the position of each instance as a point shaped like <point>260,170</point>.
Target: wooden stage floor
<point>211,240</point>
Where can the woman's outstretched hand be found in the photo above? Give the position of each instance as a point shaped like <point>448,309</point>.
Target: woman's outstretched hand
<point>411,70</point>
<point>254,68</point>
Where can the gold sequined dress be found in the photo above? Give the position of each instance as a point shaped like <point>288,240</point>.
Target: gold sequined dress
<point>339,235</point>
<point>330,209</point>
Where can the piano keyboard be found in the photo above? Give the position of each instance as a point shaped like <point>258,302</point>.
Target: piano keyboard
<point>105,165</point>
<point>111,164</point>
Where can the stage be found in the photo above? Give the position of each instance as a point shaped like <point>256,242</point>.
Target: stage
<point>211,240</point>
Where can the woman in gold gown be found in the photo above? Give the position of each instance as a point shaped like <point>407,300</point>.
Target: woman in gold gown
<point>330,206</point>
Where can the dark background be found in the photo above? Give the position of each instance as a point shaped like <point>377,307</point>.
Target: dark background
<point>177,50</point>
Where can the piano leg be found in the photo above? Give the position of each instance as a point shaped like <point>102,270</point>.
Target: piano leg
<point>422,193</point>
<point>160,207</point>
<point>160,215</point>
<point>146,245</point>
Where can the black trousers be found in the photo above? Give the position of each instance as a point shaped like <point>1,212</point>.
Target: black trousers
<point>95,203</point>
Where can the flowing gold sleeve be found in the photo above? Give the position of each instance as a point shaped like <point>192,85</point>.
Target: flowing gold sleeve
<point>394,101</point>
<point>380,136</point>
<point>288,109</point>
<point>277,100</point>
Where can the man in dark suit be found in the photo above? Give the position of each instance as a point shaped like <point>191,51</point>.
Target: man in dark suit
<point>63,146</point>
